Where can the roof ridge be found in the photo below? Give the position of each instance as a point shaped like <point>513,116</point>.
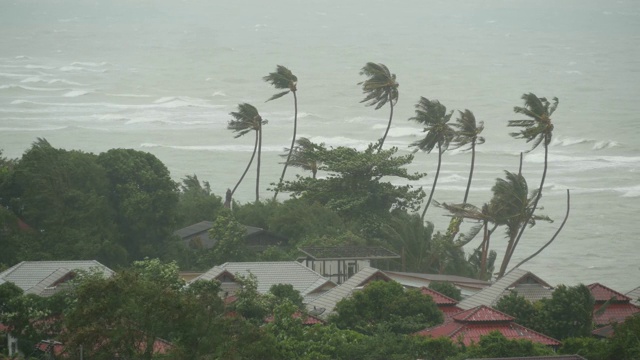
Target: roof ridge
<point>623,296</point>
<point>10,270</point>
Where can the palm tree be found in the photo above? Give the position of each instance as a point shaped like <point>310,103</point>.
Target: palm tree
<point>283,78</point>
<point>305,155</point>
<point>380,88</point>
<point>513,207</point>
<point>433,115</point>
<point>468,134</point>
<point>538,129</point>
<point>245,120</point>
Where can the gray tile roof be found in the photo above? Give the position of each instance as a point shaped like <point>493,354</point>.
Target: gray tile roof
<point>467,286</point>
<point>35,276</point>
<point>330,299</point>
<point>194,229</point>
<point>271,273</point>
<point>635,296</point>
<point>517,279</point>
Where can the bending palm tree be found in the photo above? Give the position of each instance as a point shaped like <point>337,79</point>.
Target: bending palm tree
<point>538,129</point>
<point>283,78</point>
<point>245,120</point>
<point>305,155</point>
<point>435,118</point>
<point>513,207</point>
<point>468,134</point>
<point>380,87</point>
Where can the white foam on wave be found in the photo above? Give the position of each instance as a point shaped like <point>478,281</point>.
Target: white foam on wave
<point>396,132</point>
<point>76,93</point>
<point>164,105</point>
<point>22,57</point>
<point>361,119</point>
<point>129,95</point>
<point>453,178</point>
<point>73,68</point>
<point>14,75</point>
<point>90,64</point>
<point>213,148</point>
<point>633,191</point>
<point>605,145</point>
<point>44,128</point>
<point>568,141</point>
<point>218,93</point>
<point>28,88</point>
<point>336,141</point>
<point>38,79</point>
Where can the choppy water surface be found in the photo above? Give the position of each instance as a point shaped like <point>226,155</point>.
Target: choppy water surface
<point>162,77</point>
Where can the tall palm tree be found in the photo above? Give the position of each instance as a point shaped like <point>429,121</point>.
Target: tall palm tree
<point>305,155</point>
<point>245,120</point>
<point>434,117</point>
<point>513,207</point>
<point>283,78</point>
<point>468,134</point>
<point>380,88</point>
<point>538,129</point>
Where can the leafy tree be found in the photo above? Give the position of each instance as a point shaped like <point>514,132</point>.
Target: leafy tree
<point>245,120</point>
<point>496,345</point>
<point>406,311</point>
<point>250,304</point>
<point>286,292</point>
<point>524,312</point>
<point>568,313</point>
<point>283,78</point>
<point>538,129</point>
<point>230,244</point>
<point>299,219</point>
<point>380,88</point>
<point>625,344</point>
<point>62,195</point>
<point>144,198</point>
<point>587,347</point>
<point>196,202</point>
<point>408,235</point>
<point>446,288</point>
<point>354,188</point>
<point>434,117</point>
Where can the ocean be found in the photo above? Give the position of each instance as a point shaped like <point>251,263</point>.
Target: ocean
<point>162,76</point>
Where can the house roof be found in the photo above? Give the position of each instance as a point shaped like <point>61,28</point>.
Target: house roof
<point>515,280</point>
<point>468,326</point>
<point>467,286</point>
<point>37,276</point>
<point>203,227</point>
<point>329,299</point>
<point>602,293</point>
<point>438,298</point>
<point>614,313</point>
<point>194,229</point>
<point>348,252</point>
<point>271,273</point>
<point>634,295</point>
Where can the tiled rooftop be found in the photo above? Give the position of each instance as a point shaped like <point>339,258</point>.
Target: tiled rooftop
<point>614,313</point>
<point>634,295</point>
<point>602,293</point>
<point>437,297</point>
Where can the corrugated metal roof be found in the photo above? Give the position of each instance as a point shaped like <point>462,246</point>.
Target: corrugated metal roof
<point>348,252</point>
<point>329,299</point>
<point>28,274</point>
<point>634,295</point>
<point>271,273</point>
<point>514,279</point>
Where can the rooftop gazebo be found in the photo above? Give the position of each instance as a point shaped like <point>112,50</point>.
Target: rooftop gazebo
<point>339,263</point>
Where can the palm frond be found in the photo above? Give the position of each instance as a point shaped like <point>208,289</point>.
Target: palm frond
<point>278,95</point>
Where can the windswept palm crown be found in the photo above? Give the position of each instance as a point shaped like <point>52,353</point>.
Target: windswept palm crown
<point>380,88</point>
<point>539,128</point>
<point>245,120</point>
<point>435,119</point>
<point>283,78</point>
<point>467,131</point>
<point>306,155</point>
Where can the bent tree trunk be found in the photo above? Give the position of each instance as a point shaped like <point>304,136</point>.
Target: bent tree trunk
<point>255,147</point>
<point>388,127</point>
<point>435,181</point>
<point>293,143</point>
<point>258,172</point>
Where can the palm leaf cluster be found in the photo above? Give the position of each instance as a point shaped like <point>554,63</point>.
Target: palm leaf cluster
<point>380,87</point>
<point>282,78</point>
<point>435,119</point>
<point>306,155</point>
<point>246,119</point>
<point>539,127</point>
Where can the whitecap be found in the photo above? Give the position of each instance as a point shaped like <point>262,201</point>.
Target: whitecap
<point>45,128</point>
<point>28,88</point>
<point>129,95</point>
<point>633,191</point>
<point>42,67</point>
<point>91,64</point>
<point>569,141</point>
<point>22,57</point>
<point>13,75</point>
<point>70,68</point>
<point>213,148</point>
<point>20,101</point>
<point>218,93</point>
<point>605,145</point>
<point>76,93</point>
<point>453,178</point>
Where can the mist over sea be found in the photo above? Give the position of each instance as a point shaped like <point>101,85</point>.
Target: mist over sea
<point>161,76</point>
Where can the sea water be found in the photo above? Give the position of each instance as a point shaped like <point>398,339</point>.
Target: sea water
<point>162,76</point>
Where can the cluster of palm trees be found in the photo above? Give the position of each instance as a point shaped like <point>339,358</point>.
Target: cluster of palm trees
<point>512,206</point>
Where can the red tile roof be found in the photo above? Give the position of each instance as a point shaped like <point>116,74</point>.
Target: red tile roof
<point>437,297</point>
<point>471,324</point>
<point>482,314</point>
<point>602,293</point>
<point>614,313</point>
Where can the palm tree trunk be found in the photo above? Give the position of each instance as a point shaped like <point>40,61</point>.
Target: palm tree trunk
<point>259,153</point>
<point>485,249</point>
<point>388,126</point>
<point>435,181</point>
<point>255,147</point>
<point>473,161</point>
<point>293,142</point>
<point>508,255</point>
